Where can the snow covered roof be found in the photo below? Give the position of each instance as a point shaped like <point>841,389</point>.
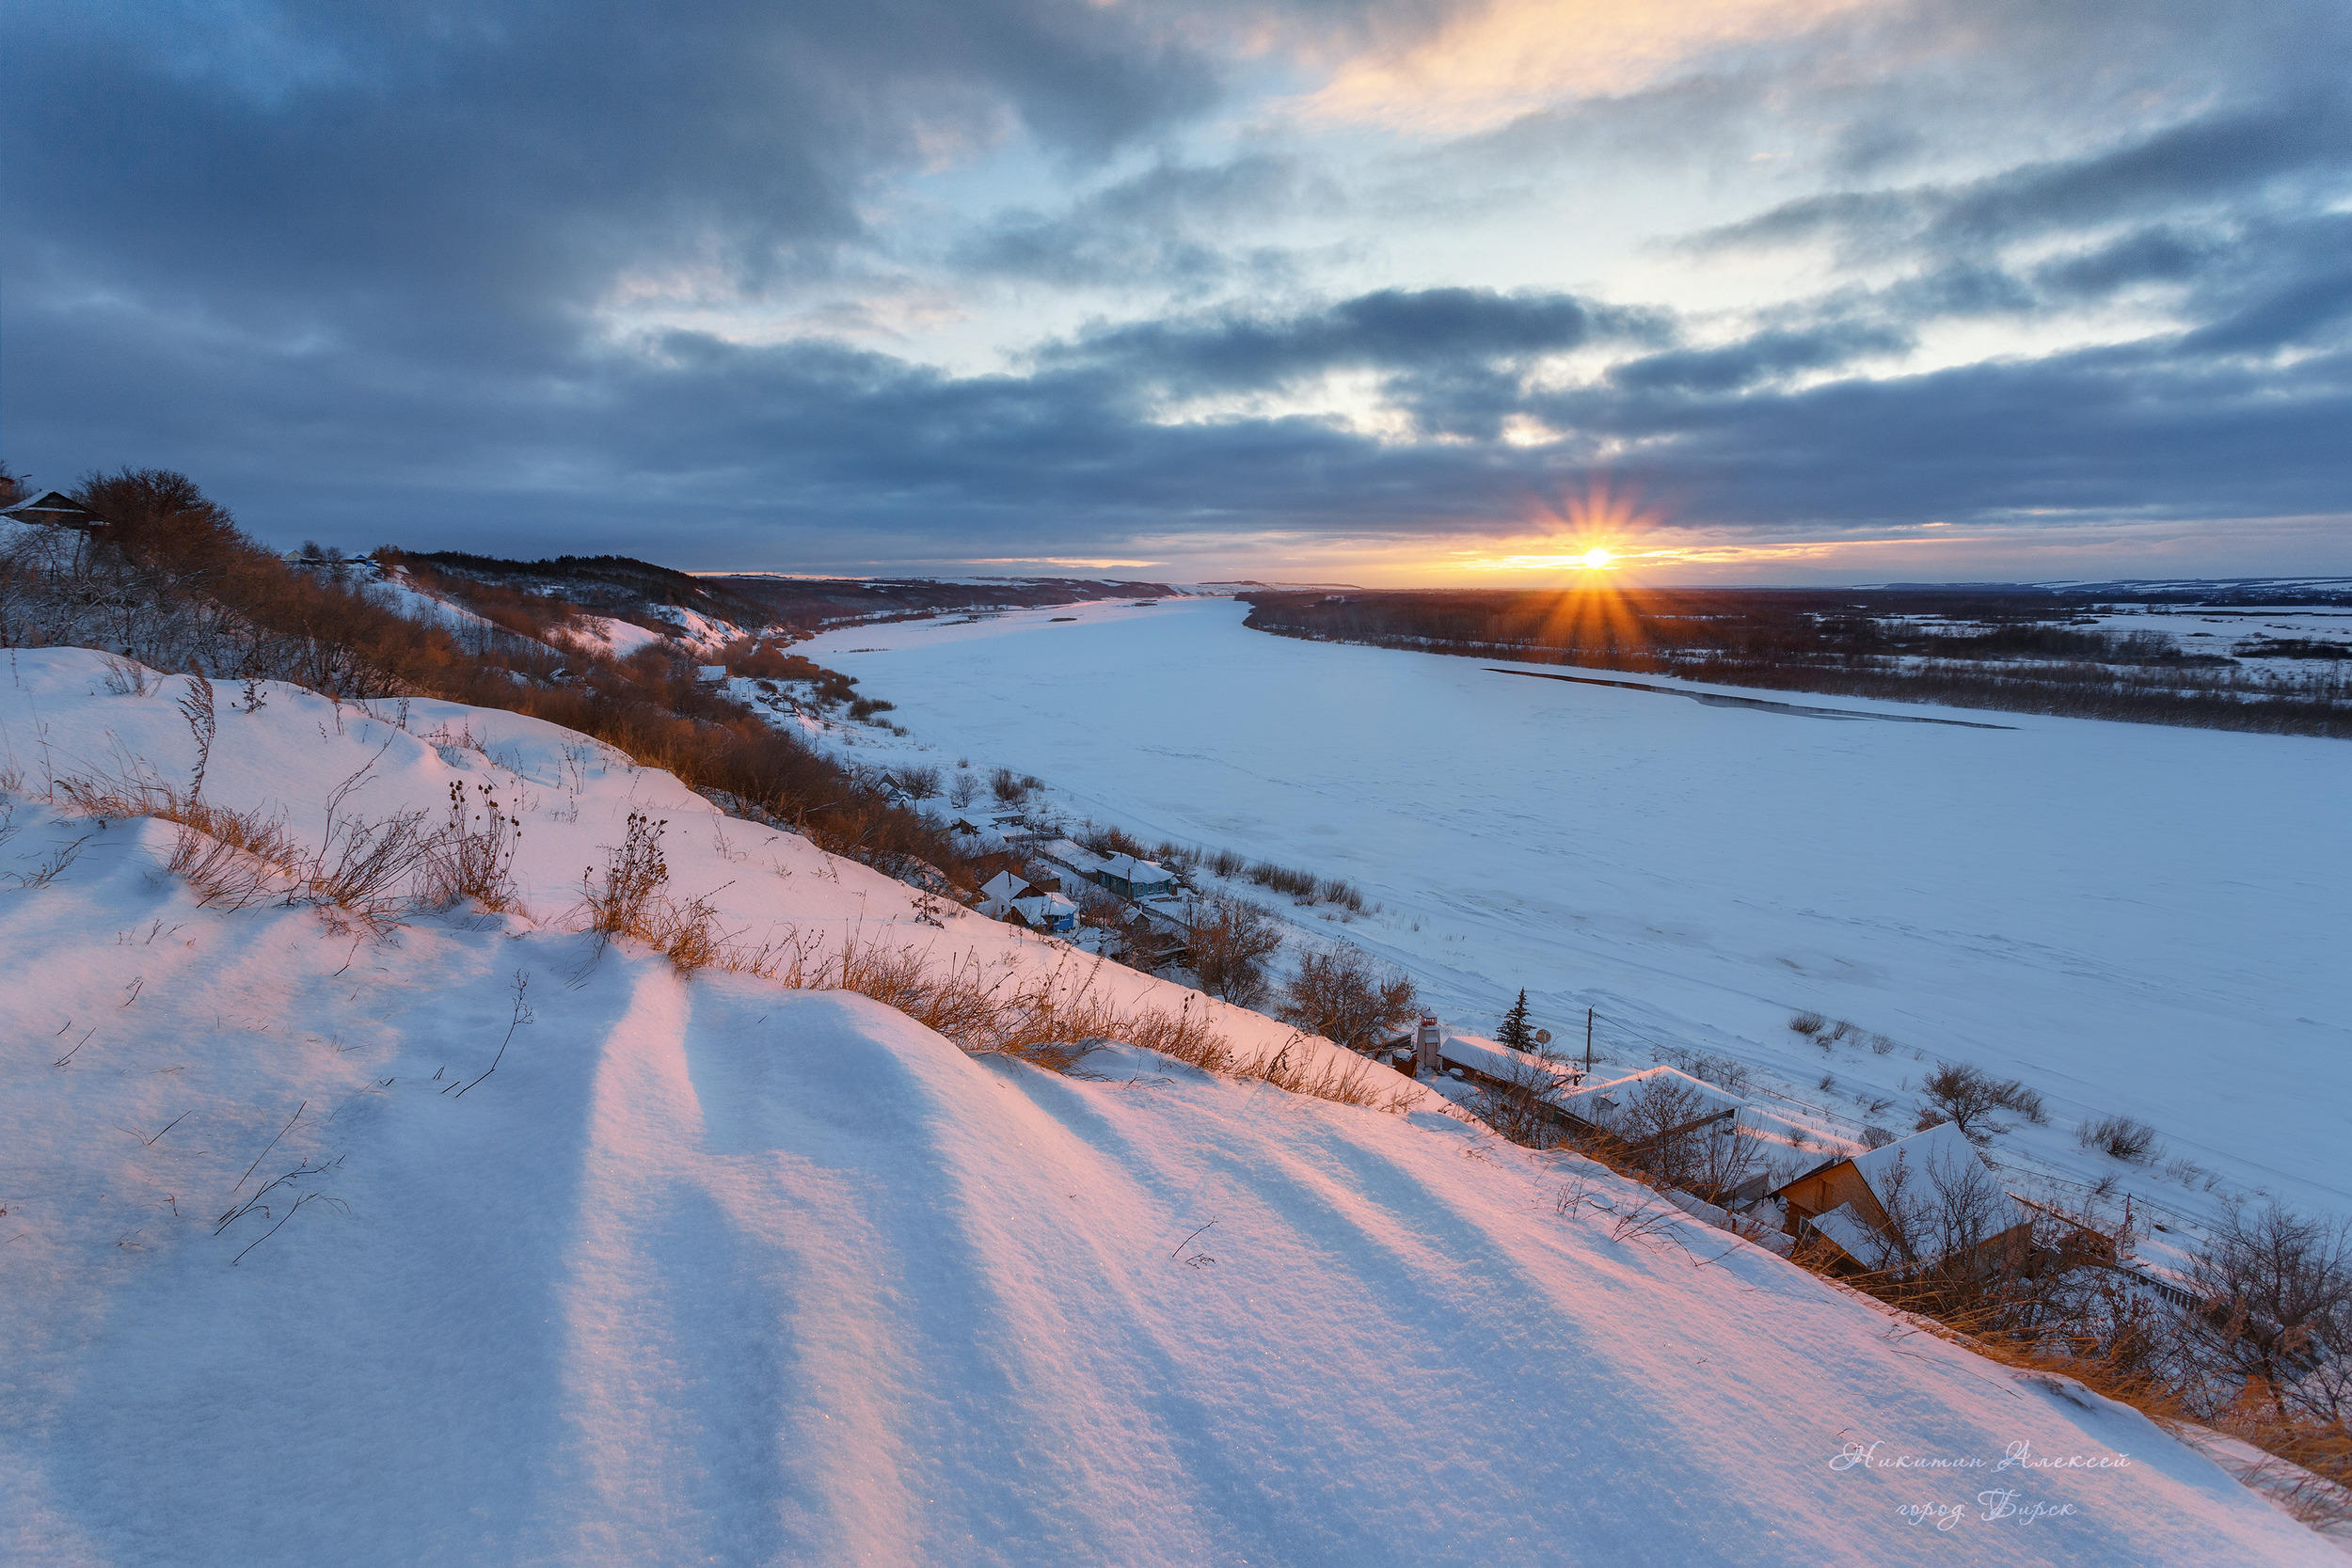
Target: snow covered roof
<point>1603,1102</point>
<point>1045,906</point>
<point>51,506</point>
<point>1844,1227</point>
<point>1075,855</point>
<point>1923,1167</point>
<point>1129,868</point>
<point>1491,1056</point>
<point>1005,886</point>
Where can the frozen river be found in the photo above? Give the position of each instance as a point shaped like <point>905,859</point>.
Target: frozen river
<point>2133,918</point>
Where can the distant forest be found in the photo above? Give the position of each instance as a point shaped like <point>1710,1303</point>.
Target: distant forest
<point>2018,650</point>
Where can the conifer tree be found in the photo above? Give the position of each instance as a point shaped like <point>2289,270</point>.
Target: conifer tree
<point>1515,1032</point>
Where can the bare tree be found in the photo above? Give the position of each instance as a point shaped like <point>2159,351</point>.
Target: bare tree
<point>1343,997</point>
<point>1656,1136</point>
<point>960,793</point>
<point>2276,1322</point>
<point>1231,941</point>
<point>1518,1105</point>
<point>1941,1212</point>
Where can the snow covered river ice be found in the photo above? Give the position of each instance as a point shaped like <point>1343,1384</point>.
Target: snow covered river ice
<point>2132,918</point>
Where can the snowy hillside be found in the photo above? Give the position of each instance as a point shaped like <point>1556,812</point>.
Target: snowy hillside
<point>708,1269</point>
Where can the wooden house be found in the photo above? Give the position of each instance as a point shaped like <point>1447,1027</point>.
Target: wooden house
<point>55,508</point>
<point>1131,878</point>
<point>1911,1202</point>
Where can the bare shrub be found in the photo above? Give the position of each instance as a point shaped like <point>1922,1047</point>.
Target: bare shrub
<point>1517,1105</point>
<point>624,901</point>
<point>1722,1071</point>
<point>366,868</point>
<point>1343,997</point>
<point>473,857</point>
<point>2118,1137</point>
<point>960,793</point>
<point>1968,1099</point>
<point>1300,885</point>
<point>1110,841</point>
<point>1654,1134</point>
<point>1007,786</point>
<point>1876,1137</point>
<point>1230,941</point>
<point>1225,863</point>
<point>918,783</point>
<point>2276,1324</point>
<point>128,677</point>
<point>1808,1024</point>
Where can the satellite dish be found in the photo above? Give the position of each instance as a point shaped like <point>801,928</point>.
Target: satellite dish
<point>1543,1036</point>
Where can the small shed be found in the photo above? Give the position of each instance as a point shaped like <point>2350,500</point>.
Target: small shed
<point>1047,911</point>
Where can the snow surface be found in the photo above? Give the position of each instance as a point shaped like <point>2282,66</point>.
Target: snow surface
<point>708,1269</point>
<point>603,634</point>
<point>2133,919</point>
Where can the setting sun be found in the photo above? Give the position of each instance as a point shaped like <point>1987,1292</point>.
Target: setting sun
<point>1597,558</point>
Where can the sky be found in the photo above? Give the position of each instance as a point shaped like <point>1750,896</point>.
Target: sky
<point>1384,292</point>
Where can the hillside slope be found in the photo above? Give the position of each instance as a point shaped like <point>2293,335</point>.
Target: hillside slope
<point>712,1270</point>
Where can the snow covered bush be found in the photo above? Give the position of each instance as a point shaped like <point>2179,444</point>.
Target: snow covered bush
<point>1968,1099</point>
<point>2119,1137</point>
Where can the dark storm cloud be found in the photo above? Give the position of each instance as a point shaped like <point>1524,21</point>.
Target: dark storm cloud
<point>1438,331</point>
<point>1760,358</point>
<point>2225,156</point>
<point>343,265</point>
<point>410,172</point>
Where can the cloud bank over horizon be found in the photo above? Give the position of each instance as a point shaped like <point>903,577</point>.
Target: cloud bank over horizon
<point>1391,290</point>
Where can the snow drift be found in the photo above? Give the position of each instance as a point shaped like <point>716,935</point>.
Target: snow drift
<point>712,1270</point>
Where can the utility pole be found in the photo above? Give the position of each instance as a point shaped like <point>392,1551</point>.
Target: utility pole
<point>1588,1042</point>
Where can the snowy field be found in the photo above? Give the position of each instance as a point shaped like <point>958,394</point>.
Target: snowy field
<point>2133,919</point>
<point>709,1269</point>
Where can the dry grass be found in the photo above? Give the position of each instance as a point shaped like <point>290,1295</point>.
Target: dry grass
<point>1050,1018</point>
<point>236,859</point>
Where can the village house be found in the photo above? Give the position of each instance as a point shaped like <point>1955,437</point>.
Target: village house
<point>1000,893</point>
<point>1126,875</point>
<point>55,508</point>
<point>1131,878</point>
<point>1913,1201</point>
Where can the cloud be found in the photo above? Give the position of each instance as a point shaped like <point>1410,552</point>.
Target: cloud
<point>1415,331</point>
<point>356,268</point>
<point>1167,226</point>
<point>2231,156</point>
<point>1765,356</point>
